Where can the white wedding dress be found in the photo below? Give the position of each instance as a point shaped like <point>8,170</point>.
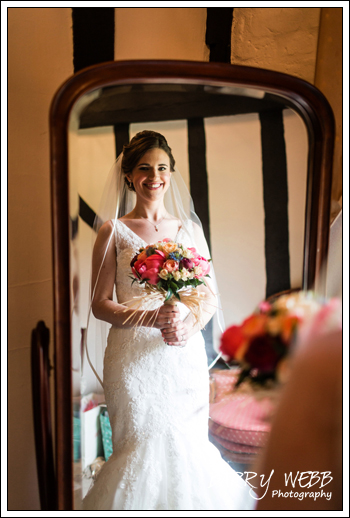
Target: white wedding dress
<point>158,402</point>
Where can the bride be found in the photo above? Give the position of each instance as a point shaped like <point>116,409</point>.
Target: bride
<point>155,379</point>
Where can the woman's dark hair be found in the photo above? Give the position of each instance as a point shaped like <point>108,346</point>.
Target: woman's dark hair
<point>138,146</point>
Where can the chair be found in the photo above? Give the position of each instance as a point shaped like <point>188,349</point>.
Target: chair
<point>40,366</point>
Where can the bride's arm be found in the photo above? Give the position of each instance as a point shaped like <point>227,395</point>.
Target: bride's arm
<point>102,282</point>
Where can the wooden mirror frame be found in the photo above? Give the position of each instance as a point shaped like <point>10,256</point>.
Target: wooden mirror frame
<point>301,96</point>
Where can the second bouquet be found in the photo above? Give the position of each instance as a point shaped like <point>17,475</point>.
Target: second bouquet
<point>169,272</point>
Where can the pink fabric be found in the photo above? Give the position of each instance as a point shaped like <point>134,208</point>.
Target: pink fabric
<point>240,419</point>
<point>216,431</point>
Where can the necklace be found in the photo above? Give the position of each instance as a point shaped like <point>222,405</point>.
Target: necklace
<point>155,226</point>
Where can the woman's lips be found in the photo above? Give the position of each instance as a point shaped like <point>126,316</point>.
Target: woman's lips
<point>153,186</point>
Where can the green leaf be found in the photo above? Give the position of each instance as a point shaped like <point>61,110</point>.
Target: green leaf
<point>177,296</point>
<point>168,295</point>
<point>173,286</point>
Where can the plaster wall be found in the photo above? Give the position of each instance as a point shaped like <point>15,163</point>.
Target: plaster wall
<point>39,60</point>
<point>283,39</point>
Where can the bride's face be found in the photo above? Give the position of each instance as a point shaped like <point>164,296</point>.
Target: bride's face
<point>151,175</point>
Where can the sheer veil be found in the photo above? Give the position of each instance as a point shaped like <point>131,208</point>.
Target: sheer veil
<point>117,200</point>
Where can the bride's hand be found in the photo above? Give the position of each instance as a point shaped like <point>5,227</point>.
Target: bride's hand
<point>176,334</point>
<point>168,316</point>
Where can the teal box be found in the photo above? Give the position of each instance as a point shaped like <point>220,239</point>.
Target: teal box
<point>106,434</point>
<point>76,439</point>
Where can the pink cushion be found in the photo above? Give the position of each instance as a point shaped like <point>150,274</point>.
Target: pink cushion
<point>216,432</point>
<point>238,417</point>
<point>223,436</point>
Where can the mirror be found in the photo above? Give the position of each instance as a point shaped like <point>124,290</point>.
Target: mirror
<point>255,150</point>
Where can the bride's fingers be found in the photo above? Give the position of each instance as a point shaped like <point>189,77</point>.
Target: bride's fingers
<point>178,336</point>
<point>167,308</point>
<point>177,344</point>
<point>169,319</point>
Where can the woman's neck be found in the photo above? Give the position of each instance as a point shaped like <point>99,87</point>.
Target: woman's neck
<point>152,211</point>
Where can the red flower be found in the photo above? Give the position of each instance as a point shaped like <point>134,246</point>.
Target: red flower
<point>231,341</point>
<point>133,260</point>
<point>155,260</point>
<point>151,275</point>
<point>186,263</point>
<point>261,354</point>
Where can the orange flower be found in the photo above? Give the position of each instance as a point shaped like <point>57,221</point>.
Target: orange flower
<point>169,247</point>
<point>254,325</point>
<point>289,324</point>
<point>142,256</point>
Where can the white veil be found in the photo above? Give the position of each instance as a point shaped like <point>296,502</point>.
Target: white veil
<point>117,200</point>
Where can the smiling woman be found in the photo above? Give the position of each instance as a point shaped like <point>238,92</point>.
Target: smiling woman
<point>155,375</point>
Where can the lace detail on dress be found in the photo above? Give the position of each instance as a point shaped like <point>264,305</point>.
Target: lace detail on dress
<point>158,403</point>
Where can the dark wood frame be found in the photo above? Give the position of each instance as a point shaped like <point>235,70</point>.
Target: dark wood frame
<point>298,94</point>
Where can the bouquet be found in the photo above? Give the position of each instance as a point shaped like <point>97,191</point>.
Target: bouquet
<point>168,272</point>
<point>262,343</point>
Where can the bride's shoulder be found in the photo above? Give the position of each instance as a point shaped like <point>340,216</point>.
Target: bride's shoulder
<point>192,226</point>
<point>107,227</point>
<point>105,232</point>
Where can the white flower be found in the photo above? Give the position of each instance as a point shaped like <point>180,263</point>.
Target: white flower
<point>301,304</point>
<point>163,274</point>
<point>177,275</point>
<point>187,253</point>
<point>185,274</point>
<point>197,271</point>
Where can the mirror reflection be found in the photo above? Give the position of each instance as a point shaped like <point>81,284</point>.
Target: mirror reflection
<point>242,154</point>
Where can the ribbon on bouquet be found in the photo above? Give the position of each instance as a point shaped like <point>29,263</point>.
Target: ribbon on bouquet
<point>193,299</point>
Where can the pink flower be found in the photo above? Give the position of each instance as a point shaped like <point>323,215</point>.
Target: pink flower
<point>151,275</point>
<point>196,256</point>
<point>171,266</point>
<point>204,265</point>
<point>264,306</point>
<point>142,268</point>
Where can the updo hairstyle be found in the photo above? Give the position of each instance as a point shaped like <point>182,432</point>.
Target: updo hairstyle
<point>138,146</point>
